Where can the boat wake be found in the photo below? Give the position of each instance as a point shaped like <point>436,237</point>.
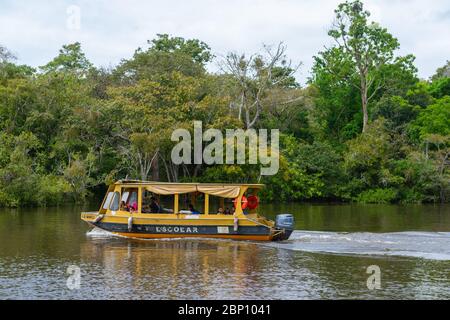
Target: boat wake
<point>99,233</point>
<point>426,245</point>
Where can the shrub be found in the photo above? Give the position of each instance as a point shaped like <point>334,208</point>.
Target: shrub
<point>378,195</point>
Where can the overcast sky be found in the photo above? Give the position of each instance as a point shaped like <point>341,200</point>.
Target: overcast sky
<point>110,30</point>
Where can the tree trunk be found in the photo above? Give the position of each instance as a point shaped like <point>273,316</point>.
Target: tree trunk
<point>169,177</point>
<point>143,170</point>
<point>196,170</point>
<point>365,115</point>
<point>155,169</point>
<point>441,174</point>
<point>364,102</point>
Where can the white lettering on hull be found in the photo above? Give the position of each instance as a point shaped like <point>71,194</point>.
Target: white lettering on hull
<point>176,229</point>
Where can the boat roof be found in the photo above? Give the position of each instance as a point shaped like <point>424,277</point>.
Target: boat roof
<point>158,183</point>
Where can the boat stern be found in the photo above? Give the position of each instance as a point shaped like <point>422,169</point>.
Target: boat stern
<point>284,226</point>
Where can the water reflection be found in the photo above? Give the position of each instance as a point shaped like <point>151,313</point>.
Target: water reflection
<point>187,268</point>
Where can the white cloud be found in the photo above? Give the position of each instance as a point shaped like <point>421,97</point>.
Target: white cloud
<point>112,30</point>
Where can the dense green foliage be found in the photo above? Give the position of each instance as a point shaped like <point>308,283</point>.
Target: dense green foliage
<point>364,129</point>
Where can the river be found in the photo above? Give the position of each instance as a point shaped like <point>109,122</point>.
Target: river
<point>327,257</point>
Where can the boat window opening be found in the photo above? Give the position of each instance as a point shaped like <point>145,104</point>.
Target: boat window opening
<point>155,203</point>
<point>192,203</point>
<point>115,202</point>
<point>184,202</point>
<point>129,200</point>
<point>219,205</point>
<point>108,200</point>
<point>166,203</point>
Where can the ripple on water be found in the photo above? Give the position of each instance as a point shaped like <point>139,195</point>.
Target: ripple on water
<point>426,245</point>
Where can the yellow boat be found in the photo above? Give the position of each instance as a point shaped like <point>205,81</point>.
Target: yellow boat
<point>135,209</point>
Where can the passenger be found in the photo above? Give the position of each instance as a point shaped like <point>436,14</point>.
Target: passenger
<point>146,203</point>
<point>154,205</point>
<point>232,210</point>
<point>123,206</point>
<point>227,210</point>
<point>133,207</point>
<point>193,210</point>
<point>220,211</point>
<point>146,208</point>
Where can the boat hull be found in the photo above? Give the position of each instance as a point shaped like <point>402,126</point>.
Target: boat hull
<point>159,231</point>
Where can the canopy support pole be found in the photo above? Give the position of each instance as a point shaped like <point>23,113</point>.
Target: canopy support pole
<point>176,202</point>
<point>206,203</point>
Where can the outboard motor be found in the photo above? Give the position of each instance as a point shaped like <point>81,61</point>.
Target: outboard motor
<point>284,222</point>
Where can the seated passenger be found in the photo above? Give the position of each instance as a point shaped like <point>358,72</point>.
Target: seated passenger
<point>154,206</point>
<point>146,208</point>
<point>146,204</point>
<point>220,211</point>
<point>193,210</point>
<point>133,207</point>
<point>227,210</point>
<point>123,206</point>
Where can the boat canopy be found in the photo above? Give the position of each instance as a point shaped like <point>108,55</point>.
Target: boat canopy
<point>167,188</point>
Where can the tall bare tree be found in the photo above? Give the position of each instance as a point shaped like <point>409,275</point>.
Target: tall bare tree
<point>367,45</point>
<point>254,76</point>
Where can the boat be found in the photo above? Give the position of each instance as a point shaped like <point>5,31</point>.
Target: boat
<point>152,210</point>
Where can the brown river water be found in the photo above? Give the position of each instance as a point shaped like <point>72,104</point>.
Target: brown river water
<point>326,258</point>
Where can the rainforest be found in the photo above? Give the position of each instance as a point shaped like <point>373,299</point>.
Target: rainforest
<point>364,128</point>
